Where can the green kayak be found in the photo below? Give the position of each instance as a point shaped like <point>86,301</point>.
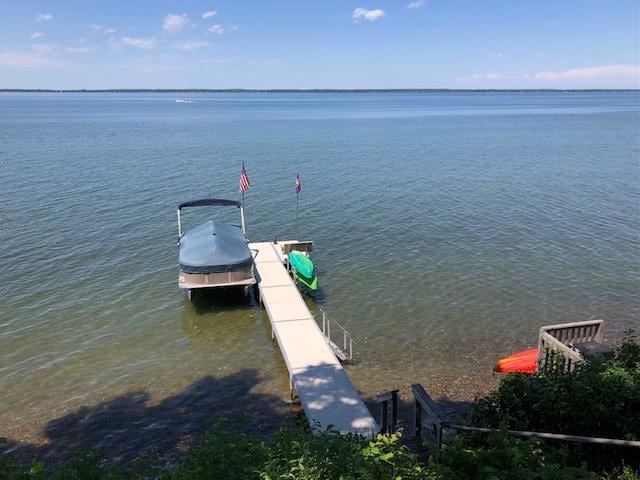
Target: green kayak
<point>303,269</point>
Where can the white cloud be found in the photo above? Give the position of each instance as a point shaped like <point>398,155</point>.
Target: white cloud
<point>493,77</point>
<point>35,35</point>
<point>101,28</point>
<point>78,49</point>
<point>605,76</point>
<point>140,42</point>
<point>216,29</point>
<point>25,60</point>
<point>605,72</point>
<point>209,14</point>
<point>44,48</point>
<point>174,23</point>
<point>191,45</point>
<point>234,28</point>
<point>44,17</point>
<point>365,14</point>
<point>416,4</point>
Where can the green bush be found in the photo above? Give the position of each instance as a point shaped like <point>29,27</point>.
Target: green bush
<point>298,455</point>
<point>499,456</point>
<point>600,398</point>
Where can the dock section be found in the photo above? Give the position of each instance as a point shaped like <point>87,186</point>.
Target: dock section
<point>325,391</point>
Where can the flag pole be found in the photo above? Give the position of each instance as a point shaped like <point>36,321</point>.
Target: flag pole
<point>298,188</point>
<point>244,185</point>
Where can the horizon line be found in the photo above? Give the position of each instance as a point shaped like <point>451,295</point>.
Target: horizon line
<point>304,90</point>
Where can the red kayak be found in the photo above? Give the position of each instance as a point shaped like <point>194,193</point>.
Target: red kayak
<point>521,362</point>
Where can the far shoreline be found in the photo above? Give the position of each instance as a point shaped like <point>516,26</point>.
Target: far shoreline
<point>320,90</point>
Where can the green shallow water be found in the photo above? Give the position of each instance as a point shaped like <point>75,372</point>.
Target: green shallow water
<point>448,229</point>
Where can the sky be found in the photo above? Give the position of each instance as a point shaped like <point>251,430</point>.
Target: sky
<point>320,44</point>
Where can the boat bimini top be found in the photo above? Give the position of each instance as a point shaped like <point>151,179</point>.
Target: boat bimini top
<point>211,201</point>
<point>213,247</point>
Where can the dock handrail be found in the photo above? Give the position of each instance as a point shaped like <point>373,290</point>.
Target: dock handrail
<point>347,339</point>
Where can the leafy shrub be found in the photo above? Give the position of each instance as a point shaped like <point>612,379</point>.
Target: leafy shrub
<point>600,398</point>
<point>499,456</point>
<point>298,455</point>
<point>221,454</point>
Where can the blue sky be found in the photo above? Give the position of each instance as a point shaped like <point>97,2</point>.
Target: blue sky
<point>320,44</point>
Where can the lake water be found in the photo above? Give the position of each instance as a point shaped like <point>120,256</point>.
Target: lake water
<point>448,226</point>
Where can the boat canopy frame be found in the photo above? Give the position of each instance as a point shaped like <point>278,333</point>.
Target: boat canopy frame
<point>209,202</point>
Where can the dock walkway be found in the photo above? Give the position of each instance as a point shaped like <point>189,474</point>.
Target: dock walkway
<point>327,395</point>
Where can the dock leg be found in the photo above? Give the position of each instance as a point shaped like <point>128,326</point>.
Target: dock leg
<point>292,391</point>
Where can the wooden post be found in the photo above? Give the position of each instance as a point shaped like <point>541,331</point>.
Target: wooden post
<point>438,436</point>
<point>394,410</point>
<point>433,418</point>
<point>385,417</point>
<point>388,405</point>
<point>418,420</point>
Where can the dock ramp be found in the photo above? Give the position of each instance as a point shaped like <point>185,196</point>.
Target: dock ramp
<point>325,391</point>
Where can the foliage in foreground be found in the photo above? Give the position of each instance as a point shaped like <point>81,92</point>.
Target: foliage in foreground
<point>295,454</point>
<point>600,399</point>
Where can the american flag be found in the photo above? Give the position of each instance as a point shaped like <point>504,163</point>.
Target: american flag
<point>298,185</point>
<point>244,180</point>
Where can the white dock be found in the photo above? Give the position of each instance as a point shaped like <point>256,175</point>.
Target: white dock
<point>327,395</point>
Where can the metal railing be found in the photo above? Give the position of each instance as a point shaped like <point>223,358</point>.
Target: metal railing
<point>430,421</point>
<point>346,352</point>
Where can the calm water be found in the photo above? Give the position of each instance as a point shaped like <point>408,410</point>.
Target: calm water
<point>449,228</point>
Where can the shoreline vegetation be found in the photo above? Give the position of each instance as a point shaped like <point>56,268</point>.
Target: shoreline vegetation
<point>313,90</point>
<point>600,397</point>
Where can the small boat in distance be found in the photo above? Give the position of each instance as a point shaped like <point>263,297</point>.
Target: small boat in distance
<point>183,100</point>
<point>214,254</point>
